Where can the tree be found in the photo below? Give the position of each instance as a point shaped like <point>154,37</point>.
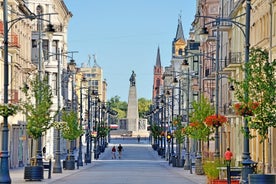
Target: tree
<point>119,106</point>
<point>37,107</point>
<point>197,129</point>
<point>143,106</point>
<point>259,87</point>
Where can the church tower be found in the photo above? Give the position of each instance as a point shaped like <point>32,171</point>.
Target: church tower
<point>157,76</point>
<point>178,44</point>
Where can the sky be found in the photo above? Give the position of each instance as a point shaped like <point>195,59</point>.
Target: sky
<point>124,35</point>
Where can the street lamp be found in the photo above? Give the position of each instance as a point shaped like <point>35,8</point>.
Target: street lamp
<point>72,69</point>
<point>57,166</point>
<point>247,162</point>
<point>80,162</point>
<point>4,169</point>
<point>88,138</point>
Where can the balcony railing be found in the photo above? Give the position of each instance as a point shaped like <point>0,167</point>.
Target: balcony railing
<point>234,58</point>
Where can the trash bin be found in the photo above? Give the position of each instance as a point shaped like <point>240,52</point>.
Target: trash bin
<point>174,162</point>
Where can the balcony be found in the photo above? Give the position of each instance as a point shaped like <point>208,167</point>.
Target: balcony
<point>234,61</point>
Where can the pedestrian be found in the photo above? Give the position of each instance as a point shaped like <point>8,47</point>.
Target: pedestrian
<point>120,149</point>
<point>44,152</point>
<point>138,138</point>
<point>113,152</point>
<point>228,156</point>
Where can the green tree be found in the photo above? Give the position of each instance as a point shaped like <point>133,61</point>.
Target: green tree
<point>119,106</point>
<point>37,107</point>
<point>70,129</point>
<point>143,106</point>
<point>259,87</point>
<point>197,129</point>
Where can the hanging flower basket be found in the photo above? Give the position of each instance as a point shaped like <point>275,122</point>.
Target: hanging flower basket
<point>242,109</point>
<point>8,110</point>
<point>215,120</point>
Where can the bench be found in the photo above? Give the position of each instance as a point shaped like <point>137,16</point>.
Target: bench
<point>47,166</point>
<point>235,172</point>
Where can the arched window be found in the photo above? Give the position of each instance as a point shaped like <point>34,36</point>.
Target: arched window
<point>180,51</point>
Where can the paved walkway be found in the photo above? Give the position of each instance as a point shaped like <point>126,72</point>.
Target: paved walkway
<point>17,175</point>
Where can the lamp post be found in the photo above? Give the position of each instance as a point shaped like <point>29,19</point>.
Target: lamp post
<point>4,172</point>
<point>57,166</point>
<point>187,165</point>
<point>247,162</point>
<point>4,168</point>
<point>72,70</point>
<point>80,162</point>
<point>88,138</point>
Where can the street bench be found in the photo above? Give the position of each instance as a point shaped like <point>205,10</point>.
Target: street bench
<point>47,166</point>
<point>235,173</point>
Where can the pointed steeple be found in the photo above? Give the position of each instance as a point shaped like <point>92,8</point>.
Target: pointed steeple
<point>179,32</point>
<point>158,60</point>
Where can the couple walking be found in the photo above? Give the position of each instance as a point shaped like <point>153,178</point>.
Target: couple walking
<point>119,149</point>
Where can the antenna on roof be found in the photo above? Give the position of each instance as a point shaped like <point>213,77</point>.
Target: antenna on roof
<point>88,62</point>
<point>94,57</point>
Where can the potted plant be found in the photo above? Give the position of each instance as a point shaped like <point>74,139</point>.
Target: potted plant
<point>155,131</point>
<point>70,130</point>
<point>198,130</point>
<point>247,109</point>
<point>215,120</point>
<point>179,134</point>
<point>103,132</point>
<point>212,171</point>
<point>257,92</point>
<point>37,108</point>
<point>7,110</point>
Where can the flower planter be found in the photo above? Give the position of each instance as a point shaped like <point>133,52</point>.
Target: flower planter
<point>262,178</point>
<point>223,181</point>
<point>69,164</point>
<point>33,173</point>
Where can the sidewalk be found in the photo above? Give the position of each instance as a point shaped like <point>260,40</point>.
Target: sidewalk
<point>17,175</point>
<point>199,179</point>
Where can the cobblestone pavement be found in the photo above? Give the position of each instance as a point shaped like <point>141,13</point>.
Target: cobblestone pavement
<point>139,164</point>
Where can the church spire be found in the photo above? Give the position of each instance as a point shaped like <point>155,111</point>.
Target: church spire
<point>179,32</point>
<point>158,60</point>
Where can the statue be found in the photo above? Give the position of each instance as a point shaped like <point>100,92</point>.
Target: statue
<point>132,79</point>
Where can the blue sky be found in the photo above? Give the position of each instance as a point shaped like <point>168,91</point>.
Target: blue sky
<point>124,35</point>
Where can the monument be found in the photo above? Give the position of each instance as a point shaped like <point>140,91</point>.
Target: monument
<point>134,124</point>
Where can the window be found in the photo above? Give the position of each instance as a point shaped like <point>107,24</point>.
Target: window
<point>34,44</point>
<point>55,49</point>
<point>54,84</point>
<point>180,52</point>
<point>45,48</point>
<point>195,64</point>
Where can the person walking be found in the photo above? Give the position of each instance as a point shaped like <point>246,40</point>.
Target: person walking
<point>113,152</point>
<point>138,138</point>
<point>228,156</point>
<point>120,149</point>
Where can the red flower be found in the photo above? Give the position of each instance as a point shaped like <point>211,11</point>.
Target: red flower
<point>215,120</point>
<point>245,109</point>
<point>193,124</point>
